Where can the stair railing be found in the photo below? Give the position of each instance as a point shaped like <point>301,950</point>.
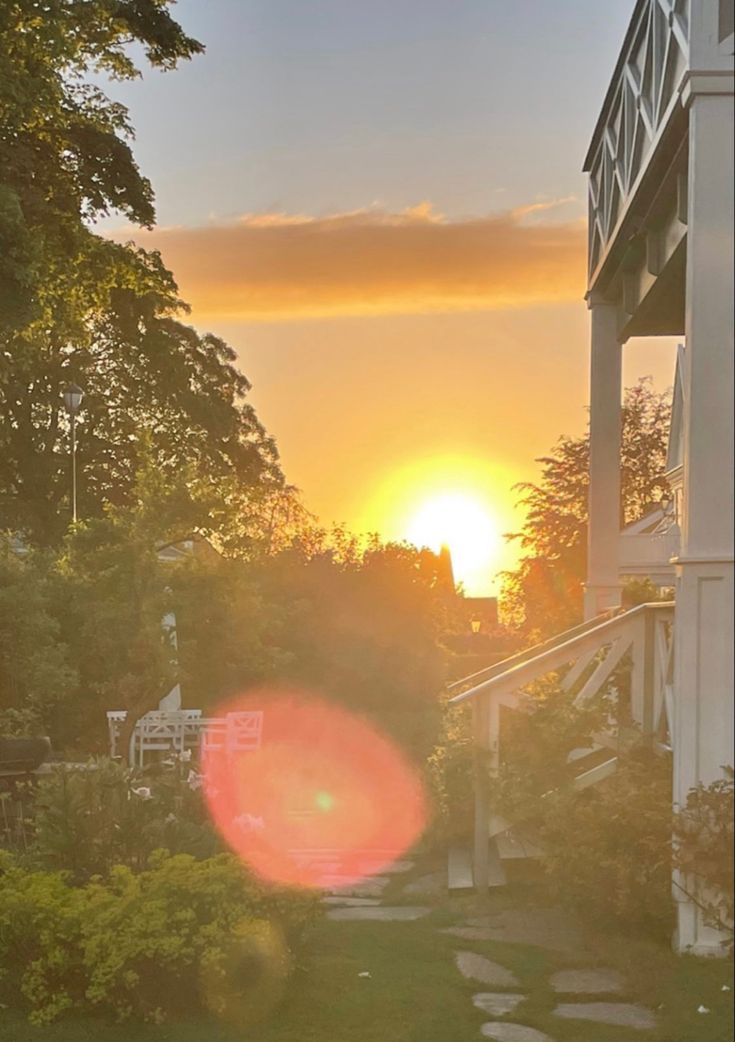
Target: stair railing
<point>586,656</point>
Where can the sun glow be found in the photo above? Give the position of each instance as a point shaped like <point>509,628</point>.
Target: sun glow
<point>455,500</point>
<point>461,522</point>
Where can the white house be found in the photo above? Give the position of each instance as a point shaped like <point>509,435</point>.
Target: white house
<point>661,213</point>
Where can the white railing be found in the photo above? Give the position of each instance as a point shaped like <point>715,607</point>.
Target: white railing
<point>585,658</point>
<point>233,733</point>
<point>649,553</point>
<point>642,99</point>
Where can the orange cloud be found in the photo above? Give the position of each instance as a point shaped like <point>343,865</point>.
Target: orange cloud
<point>282,266</point>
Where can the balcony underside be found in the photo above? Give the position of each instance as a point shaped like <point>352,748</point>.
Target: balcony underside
<point>645,269</point>
<point>657,303</point>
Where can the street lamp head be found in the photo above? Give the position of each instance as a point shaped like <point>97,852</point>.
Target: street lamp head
<point>73,399</point>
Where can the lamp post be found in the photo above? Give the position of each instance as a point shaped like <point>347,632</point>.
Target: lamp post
<point>72,401</point>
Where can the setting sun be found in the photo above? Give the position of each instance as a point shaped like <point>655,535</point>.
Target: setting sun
<point>461,522</point>
<point>456,500</point>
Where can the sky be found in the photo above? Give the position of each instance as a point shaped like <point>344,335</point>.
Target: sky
<point>381,207</point>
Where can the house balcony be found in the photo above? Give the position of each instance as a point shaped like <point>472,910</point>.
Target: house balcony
<point>638,160</point>
<point>641,110</point>
<point>649,555</point>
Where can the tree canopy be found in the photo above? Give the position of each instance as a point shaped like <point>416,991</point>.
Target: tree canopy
<point>78,307</point>
<point>36,675</point>
<point>65,156</point>
<point>544,594</point>
<point>360,625</point>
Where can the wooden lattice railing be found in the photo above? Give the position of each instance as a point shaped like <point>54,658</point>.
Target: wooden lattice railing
<point>585,658</point>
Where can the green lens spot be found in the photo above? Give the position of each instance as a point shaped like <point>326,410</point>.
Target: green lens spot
<point>324,801</point>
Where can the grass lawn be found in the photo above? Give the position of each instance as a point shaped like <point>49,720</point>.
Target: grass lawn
<point>414,993</point>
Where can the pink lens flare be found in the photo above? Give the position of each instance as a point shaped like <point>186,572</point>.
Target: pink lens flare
<point>307,793</point>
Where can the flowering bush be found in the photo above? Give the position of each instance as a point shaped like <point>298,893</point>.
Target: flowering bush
<point>179,936</point>
<point>87,819</point>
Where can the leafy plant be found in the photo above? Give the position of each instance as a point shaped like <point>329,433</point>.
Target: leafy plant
<point>89,818</point>
<point>35,673</point>
<point>41,958</point>
<point>75,306</point>
<point>181,936</point>
<point>608,848</point>
<point>187,934</point>
<point>536,744</point>
<point>704,853</point>
<point>450,770</point>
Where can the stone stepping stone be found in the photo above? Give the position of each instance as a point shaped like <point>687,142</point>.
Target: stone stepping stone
<point>622,1014</point>
<point>497,1004</point>
<point>351,902</point>
<point>471,933</point>
<point>478,968</point>
<point>378,914</point>
<point>513,1033</point>
<point>372,887</point>
<point>433,885</point>
<point>588,982</point>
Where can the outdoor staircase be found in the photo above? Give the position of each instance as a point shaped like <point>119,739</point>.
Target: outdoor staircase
<point>585,658</point>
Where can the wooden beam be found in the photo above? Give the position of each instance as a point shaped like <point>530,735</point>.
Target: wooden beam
<point>596,774</point>
<point>580,666</point>
<point>562,651</point>
<point>605,668</point>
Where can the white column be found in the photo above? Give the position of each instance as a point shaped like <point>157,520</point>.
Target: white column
<point>172,701</point>
<point>480,707</point>
<point>602,590</point>
<point>703,683</point>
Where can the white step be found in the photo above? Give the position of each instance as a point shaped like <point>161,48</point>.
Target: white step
<point>460,873</point>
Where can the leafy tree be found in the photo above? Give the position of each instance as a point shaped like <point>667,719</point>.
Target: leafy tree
<point>228,634</point>
<point>65,155</point>
<point>363,625</point>
<point>76,307</point>
<point>543,595</point>
<point>35,673</point>
<point>113,594</point>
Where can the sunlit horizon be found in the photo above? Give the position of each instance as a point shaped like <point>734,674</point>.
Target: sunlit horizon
<point>460,522</point>
<point>454,500</point>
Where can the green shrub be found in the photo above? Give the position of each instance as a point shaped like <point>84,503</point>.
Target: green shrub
<point>180,936</point>
<point>535,745</point>
<point>450,770</point>
<point>172,938</point>
<point>704,852</point>
<point>607,849</point>
<point>41,955</point>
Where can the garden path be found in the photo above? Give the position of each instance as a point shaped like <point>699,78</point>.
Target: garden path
<point>587,993</point>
